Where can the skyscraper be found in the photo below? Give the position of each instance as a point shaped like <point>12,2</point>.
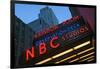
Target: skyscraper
<point>48,15</point>
<point>45,20</point>
<point>38,25</point>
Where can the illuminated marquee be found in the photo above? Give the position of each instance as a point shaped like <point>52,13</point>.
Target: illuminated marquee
<point>56,36</point>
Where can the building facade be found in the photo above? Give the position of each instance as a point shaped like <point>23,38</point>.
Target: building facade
<point>22,37</point>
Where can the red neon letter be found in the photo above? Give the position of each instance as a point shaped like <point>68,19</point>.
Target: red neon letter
<point>42,48</point>
<point>82,30</point>
<point>52,40</point>
<point>30,53</point>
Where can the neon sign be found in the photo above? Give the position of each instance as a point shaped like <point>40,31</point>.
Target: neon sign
<point>62,34</point>
<point>67,22</point>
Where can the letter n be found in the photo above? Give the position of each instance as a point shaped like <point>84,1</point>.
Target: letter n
<point>30,53</point>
